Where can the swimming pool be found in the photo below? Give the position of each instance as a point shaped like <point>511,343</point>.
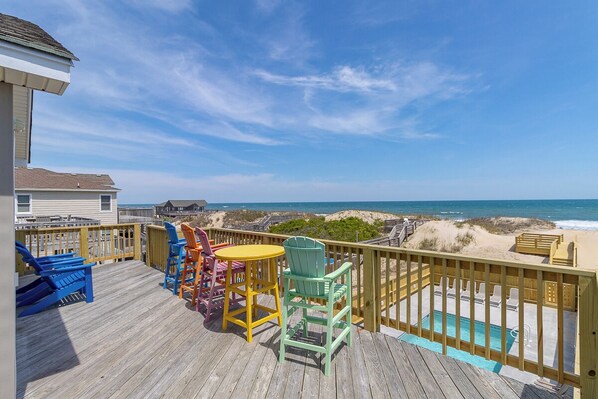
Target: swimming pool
<point>480,339</point>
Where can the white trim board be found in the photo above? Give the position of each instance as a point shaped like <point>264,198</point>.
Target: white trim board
<point>34,69</point>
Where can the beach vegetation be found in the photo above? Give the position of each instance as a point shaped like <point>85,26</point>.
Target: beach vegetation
<point>508,225</point>
<point>200,220</point>
<point>428,244</point>
<point>240,217</point>
<point>348,229</point>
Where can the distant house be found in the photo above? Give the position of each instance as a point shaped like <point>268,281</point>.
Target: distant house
<point>41,193</point>
<point>173,208</point>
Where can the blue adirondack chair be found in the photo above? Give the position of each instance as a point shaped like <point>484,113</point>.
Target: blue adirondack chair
<point>307,270</point>
<point>60,260</point>
<point>176,253</point>
<point>57,281</point>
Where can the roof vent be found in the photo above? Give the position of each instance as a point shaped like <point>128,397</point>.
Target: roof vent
<point>78,185</point>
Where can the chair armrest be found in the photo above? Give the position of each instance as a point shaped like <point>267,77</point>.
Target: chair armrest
<point>220,246</point>
<point>346,267</point>
<point>287,273</point>
<point>52,272</point>
<point>58,256</point>
<point>66,261</point>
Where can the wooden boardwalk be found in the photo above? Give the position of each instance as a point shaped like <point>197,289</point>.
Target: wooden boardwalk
<point>137,340</point>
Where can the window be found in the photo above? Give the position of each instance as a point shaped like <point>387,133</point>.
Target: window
<point>105,203</point>
<point>23,203</point>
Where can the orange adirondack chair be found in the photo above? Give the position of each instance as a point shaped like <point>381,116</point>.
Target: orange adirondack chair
<point>193,263</point>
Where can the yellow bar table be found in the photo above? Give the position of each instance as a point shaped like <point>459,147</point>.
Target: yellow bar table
<point>252,286</point>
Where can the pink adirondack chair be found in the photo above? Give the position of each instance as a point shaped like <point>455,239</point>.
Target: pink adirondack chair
<point>213,277</point>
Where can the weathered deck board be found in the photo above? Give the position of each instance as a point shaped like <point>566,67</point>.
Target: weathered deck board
<point>138,340</point>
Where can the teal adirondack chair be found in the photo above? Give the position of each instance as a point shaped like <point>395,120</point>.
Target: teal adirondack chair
<point>307,270</point>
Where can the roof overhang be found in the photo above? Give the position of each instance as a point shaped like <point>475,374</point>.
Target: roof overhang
<point>71,190</point>
<point>34,69</point>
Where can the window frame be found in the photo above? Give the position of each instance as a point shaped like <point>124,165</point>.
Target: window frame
<point>30,211</point>
<point>109,196</point>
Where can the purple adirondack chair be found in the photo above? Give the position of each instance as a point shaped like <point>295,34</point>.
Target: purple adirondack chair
<point>213,277</point>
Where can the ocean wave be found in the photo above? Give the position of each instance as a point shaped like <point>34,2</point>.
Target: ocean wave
<point>577,224</point>
<point>451,213</point>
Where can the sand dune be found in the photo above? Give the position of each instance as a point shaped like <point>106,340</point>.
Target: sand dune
<point>367,216</point>
<point>449,236</point>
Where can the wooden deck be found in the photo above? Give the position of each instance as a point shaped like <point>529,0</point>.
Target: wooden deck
<point>138,340</point>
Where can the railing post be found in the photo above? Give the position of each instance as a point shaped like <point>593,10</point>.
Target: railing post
<point>84,242</point>
<point>137,241</point>
<point>588,329</point>
<point>371,292</point>
<point>21,236</point>
<point>149,242</point>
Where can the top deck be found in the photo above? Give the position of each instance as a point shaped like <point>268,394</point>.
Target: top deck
<point>138,340</point>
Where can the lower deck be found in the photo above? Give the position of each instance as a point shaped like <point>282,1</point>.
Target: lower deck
<point>139,340</point>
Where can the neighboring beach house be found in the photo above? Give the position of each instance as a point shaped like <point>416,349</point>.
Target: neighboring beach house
<point>43,193</point>
<point>174,208</point>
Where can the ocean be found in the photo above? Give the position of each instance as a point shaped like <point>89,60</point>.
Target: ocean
<point>567,214</point>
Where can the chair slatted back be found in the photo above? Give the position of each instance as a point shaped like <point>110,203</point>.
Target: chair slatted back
<point>28,258</point>
<point>205,241</point>
<point>193,248</point>
<point>305,257</point>
<point>514,293</point>
<point>173,237</point>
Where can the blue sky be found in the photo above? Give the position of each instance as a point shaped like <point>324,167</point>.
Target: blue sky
<point>251,101</point>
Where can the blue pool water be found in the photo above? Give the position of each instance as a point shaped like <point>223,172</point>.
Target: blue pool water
<point>480,334</point>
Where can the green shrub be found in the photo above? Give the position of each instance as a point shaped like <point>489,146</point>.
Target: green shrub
<point>347,229</point>
<point>428,244</point>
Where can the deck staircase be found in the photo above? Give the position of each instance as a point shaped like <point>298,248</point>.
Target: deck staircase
<point>554,246</point>
<point>565,254</point>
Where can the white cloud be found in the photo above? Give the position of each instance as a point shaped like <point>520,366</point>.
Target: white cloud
<point>344,78</point>
<point>267,6</point>
<point>173,6</point>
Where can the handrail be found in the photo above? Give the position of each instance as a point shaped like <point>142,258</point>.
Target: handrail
<point>95,243</point>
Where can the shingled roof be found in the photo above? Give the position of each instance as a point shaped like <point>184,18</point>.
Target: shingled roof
<point>184,203</point>
<point>39,179</point>
<point>28,34</point>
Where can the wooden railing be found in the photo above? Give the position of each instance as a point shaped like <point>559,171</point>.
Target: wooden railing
<point>410,305</point>
<point>537,244</point>
<point>95,243</point>
<point>156,247</point>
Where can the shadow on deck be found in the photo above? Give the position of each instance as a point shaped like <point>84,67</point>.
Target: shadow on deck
<point>138,340</point>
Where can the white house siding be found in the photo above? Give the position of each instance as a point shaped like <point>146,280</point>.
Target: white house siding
<point>21,112</point>
<point>84,204</point>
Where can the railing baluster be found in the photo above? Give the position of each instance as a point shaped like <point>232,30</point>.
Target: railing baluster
<point>408,292</point>
<point>560,329</point>
<point>397,302</point>
<point>487,307</point>
<point>539,323</point>
<point>419,295</point>
<point>432,297</point>
<point>388,301</point>
<point>503,314</point>
<point>457,285</point>
<point>359,282</point>
<point>521,311</point>
<point>472,308</point>
<point>378,287</point>
<point>444,292</point>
